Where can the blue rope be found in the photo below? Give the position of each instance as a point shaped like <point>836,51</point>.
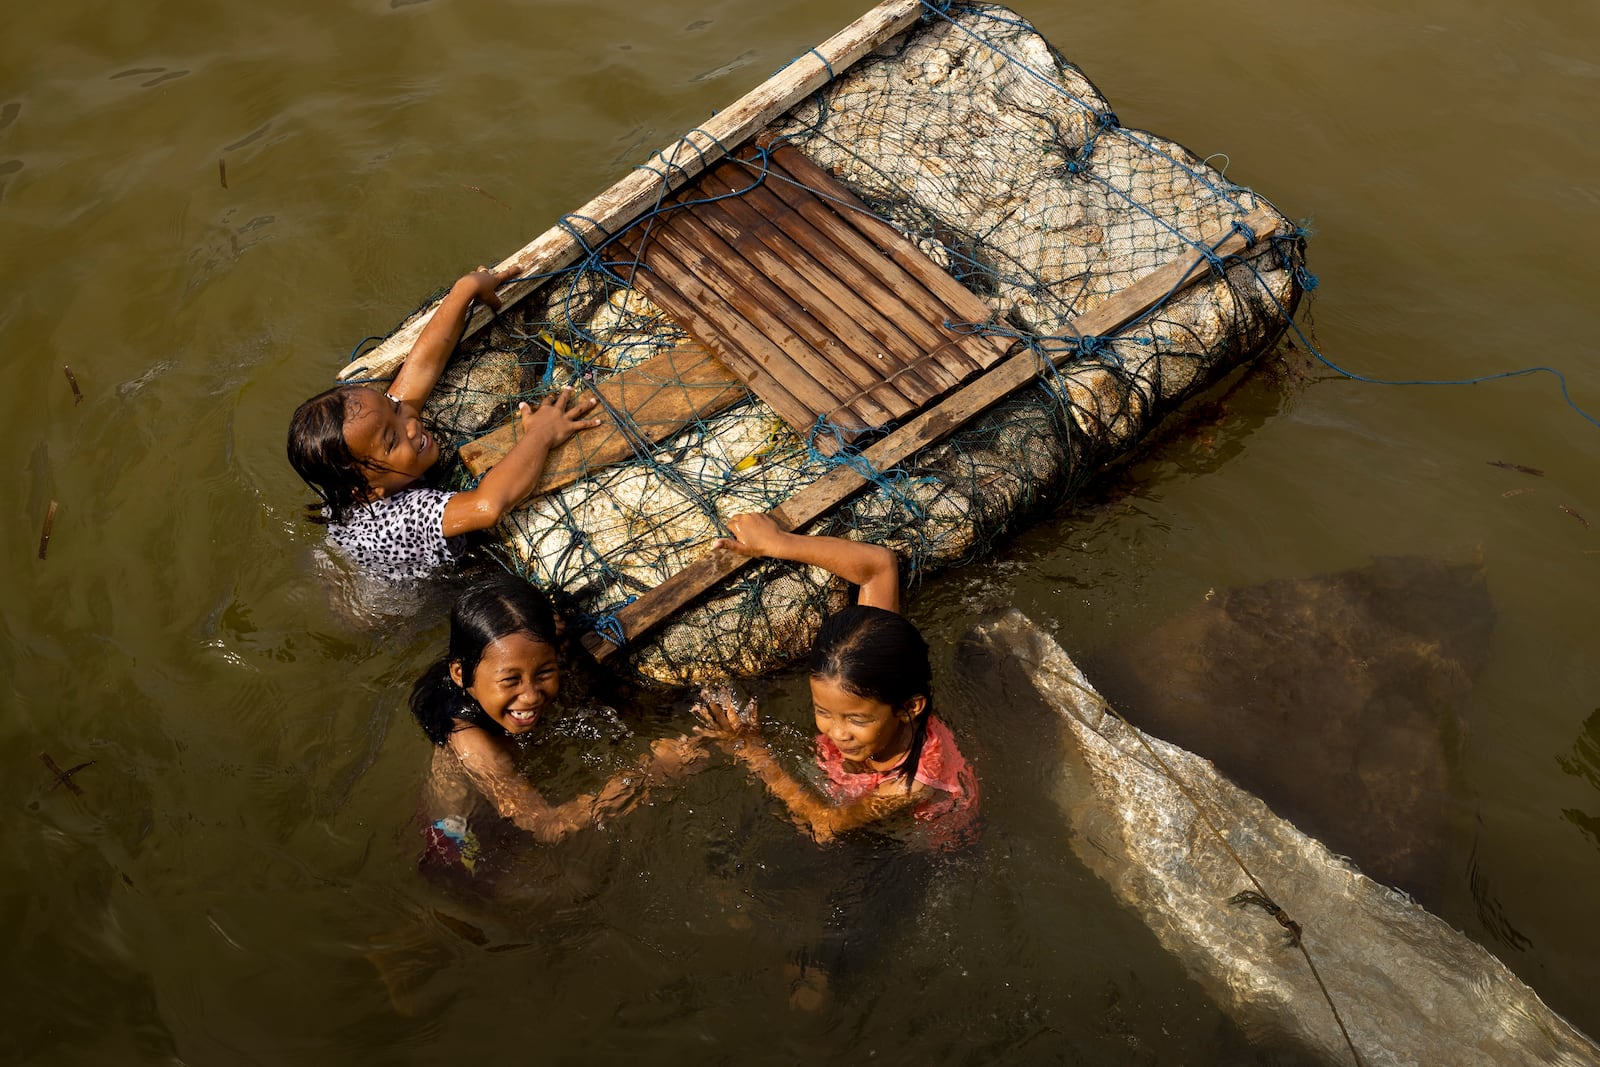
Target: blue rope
<point>606,623</point>
<point>1283,312</point>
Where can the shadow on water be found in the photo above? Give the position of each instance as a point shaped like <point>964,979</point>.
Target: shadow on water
<point>1584,763</point>
<point>1339,699</point>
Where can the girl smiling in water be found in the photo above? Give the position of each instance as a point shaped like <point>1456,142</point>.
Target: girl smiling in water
<point>495,685</point>
<point>884,752</point>
<point>364,452</point>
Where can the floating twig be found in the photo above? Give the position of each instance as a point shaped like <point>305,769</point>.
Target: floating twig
<point>1575,515</point>
<point>222,171</point>
<point>1519,468</point>
<point>44,534</point>
<point>64,777</point>
<point>1517,492</point>
<point>72,380</point>
<point>491,196</point>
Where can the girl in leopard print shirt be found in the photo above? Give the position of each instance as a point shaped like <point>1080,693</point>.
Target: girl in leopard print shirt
<point>364,452</point>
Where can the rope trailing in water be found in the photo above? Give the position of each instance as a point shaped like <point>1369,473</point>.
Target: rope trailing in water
<point>1312,348</point>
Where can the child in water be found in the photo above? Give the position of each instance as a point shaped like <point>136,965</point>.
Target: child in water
<point>884,752</point>
<point>364,452</point>
<point>494,685</point>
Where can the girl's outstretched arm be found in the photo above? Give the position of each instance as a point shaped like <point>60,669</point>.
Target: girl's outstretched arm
<point>739,735</point>
<point>873,568</point>
<point>417,376</point>
<point>543,428</point>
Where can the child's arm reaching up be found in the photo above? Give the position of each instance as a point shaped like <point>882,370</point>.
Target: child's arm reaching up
<point>513,478</point>
<point>873,568</point>
<point>414,381</point>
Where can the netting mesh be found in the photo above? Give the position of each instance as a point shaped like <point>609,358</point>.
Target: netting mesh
<point>972,136</point>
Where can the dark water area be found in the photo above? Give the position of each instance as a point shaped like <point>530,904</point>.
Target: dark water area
<point>204,208</point>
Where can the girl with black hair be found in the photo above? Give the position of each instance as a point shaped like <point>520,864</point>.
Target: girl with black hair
<point>494,685</point>
<point>364,452</point>
<point>884,752</point>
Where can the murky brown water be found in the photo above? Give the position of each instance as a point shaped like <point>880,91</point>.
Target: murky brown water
<point>241,836</point>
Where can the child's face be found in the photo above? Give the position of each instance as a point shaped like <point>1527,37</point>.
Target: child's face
<point>866,730</point>
<point>515,681</point>
<point>389,434</point>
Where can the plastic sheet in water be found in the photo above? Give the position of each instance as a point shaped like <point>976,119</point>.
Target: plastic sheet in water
<point>1292,941</point>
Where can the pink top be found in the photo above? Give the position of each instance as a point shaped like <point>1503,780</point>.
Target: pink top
<point>948,818</point>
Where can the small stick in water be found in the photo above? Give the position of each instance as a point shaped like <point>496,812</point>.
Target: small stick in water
<point>64,777</point>
<point>1519,468</point>
<point>222,171</point>
<point>482,192</point>
<point>72,380</point>
<point>1575,515</point>
<point>44,535</point>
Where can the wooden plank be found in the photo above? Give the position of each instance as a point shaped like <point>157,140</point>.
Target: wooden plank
<point>850,315</point>
<point>937,422</point>
<point>641,406</point>
<point>770,342</point>
<point>709,318</point>
<point>669,168</point>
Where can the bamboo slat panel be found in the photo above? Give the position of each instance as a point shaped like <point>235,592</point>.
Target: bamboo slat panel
<point>824,312</point>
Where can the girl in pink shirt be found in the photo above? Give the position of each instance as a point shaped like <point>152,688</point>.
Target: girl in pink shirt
<point>885,754</point>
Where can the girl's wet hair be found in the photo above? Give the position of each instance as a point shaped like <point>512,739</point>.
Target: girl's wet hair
<point>494,608</point>
<point>319,453</point>
<point>879,655</point>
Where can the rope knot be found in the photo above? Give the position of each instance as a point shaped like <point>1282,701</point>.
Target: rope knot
<point>607,625</point>
<point>1093,346</point>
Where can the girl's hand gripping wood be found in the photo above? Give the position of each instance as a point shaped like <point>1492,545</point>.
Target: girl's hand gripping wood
<point>552,423</point>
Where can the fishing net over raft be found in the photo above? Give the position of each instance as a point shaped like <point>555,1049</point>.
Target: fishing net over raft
<point>999,159</point>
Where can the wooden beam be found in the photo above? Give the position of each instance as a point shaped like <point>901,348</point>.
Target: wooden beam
<point>665,171</point>
<point>658,397</point>
<point>932,425</point>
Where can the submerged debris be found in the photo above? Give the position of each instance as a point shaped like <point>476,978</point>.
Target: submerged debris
<point>64,777</point>
<point>49,524</point>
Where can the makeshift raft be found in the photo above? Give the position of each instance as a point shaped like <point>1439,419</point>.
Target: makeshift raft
<point>917,285</point>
